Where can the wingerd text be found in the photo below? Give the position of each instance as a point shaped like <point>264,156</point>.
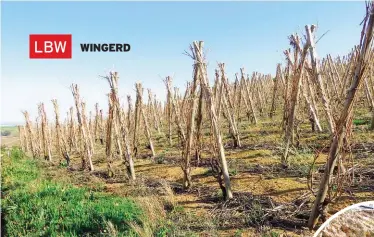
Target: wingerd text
<point>105,47</point>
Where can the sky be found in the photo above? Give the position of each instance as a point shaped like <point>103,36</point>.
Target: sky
<point>252,35</point>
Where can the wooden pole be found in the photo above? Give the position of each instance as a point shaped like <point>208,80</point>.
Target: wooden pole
<point>318,77</point>
<point>199,61</point>
<point>336,144</point>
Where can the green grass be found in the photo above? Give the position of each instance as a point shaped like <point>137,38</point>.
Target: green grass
<point>35,206</point>
<point>361,122</point>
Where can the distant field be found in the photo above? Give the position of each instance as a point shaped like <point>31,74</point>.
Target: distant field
<point>12,138</point>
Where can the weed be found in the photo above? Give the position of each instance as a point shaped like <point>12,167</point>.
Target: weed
<point>238,233</point>
<point>233,172</point>
<point>358,122</point>
<point>160,159</point>
<point>271,234</point>
<point>62,164</point>
<point>178,208</point>
<point>163,231</point>
<point>256,216</point>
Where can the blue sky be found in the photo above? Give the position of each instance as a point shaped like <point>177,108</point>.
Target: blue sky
<point>241,34</point>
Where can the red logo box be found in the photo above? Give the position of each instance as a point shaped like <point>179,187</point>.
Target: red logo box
<point>50,46</point>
